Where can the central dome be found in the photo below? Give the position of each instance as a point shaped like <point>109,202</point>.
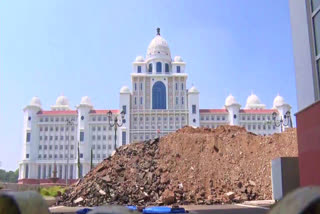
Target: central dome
<point>158,47</point>
<point>62,101</point>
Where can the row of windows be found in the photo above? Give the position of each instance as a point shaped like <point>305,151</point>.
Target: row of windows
<point>159,118</point>
<point>98,147</point>
<point>147,137</point>
<point>99,137</point>
<point>99,128</point>
<point>158,68</point>
<point>259,127</point>
<point>56,137</point>
<point>99,118</point>
<point>253,117</point>
<point>158,127</point>
<point>46,128</point>
<point>213,117</point>
<point>60,156</point>
<point>50,147</point>
<point>56,119</point>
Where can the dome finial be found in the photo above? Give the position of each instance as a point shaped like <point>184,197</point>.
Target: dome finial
<point>158,31</point>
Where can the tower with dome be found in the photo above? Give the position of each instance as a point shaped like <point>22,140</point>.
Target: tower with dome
<point>157,103</point>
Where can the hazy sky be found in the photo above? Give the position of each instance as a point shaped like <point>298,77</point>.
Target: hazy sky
<point>78,48</point>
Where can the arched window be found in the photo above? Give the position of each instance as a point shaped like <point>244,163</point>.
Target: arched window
<point>167,68</point>
<point>159,96</point>
<point>159,67</point>
<point>150,68</point>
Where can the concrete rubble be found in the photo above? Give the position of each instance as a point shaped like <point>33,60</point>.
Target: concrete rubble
<point>191,166</point>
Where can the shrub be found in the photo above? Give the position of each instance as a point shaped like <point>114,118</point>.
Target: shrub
<point>51,191</point>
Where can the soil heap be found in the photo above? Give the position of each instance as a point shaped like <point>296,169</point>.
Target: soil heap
<point>191,166</point>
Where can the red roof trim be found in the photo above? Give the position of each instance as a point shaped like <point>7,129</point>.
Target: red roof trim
<point>104,111</point>
<point>252,111</point>
<point>68,112</point>
<point>213,111</point>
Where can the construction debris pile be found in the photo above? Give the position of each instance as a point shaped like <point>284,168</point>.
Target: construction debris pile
<point>191,166</point>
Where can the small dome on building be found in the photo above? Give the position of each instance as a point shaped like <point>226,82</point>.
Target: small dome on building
<point>86,101</point>
<point>253,100</point>
<point>158,46</point>
<point>139,59</point>
<point>62,101</point>
<point>193,89</point>
<point>178,59</point>
<point>230,100</point>
<point>278,101</point>
<point>35,101</point>
<point>124,90</point>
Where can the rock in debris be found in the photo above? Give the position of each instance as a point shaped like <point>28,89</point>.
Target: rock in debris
<point>168,197</point>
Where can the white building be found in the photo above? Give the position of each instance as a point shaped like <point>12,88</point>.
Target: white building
<point>305,25</point>
<point>158,104</point>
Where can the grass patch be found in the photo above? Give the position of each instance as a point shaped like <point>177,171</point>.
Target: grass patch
<point>51,191</point>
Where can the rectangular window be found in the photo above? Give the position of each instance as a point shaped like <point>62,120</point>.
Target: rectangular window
<point>81,155</point>
<point>135,100</point>
<point>182,101</point>
<point>71,172</point>
<point>81,136</point>
<point>135,86</point>
<point>141,100</point>
<point>181,86</point>
<point>39,172</point>
<point>139,69</point>
<point>176,86</point>
<point>177,100</point>
<point>27,155</point>
<point>124,138</point>
<point>141,86</point>
<point>28,137</point>
<point>27,171</point>
<point>178,69</point>
<point>124,109</point>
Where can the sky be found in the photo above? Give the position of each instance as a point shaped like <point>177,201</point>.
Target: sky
<point>86,48</point>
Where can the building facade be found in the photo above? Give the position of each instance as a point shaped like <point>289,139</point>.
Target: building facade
<point>305,25</point>
<point>157,104</point>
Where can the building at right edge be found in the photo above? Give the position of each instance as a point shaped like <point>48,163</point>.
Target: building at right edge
<point>305,24</point>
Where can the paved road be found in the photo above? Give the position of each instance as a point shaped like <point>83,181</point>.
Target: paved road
<point>203,209</point>
<point>227,209</point>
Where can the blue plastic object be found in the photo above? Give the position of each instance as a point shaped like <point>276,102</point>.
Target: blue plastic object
<point>159,210</point>
<point>83,211</point>
<point>132,207</point>
<point>178,210</point>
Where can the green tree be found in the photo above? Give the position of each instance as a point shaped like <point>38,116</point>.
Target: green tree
<point>10,176</point>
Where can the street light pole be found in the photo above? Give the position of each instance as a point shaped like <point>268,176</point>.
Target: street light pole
<point>114,122</point>
<point>284,121</point>
<point>69,124</point>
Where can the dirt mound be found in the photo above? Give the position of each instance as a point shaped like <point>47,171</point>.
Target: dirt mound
<point>190,166</point>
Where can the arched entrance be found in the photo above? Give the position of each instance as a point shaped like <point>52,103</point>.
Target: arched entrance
<point>159,96</point>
